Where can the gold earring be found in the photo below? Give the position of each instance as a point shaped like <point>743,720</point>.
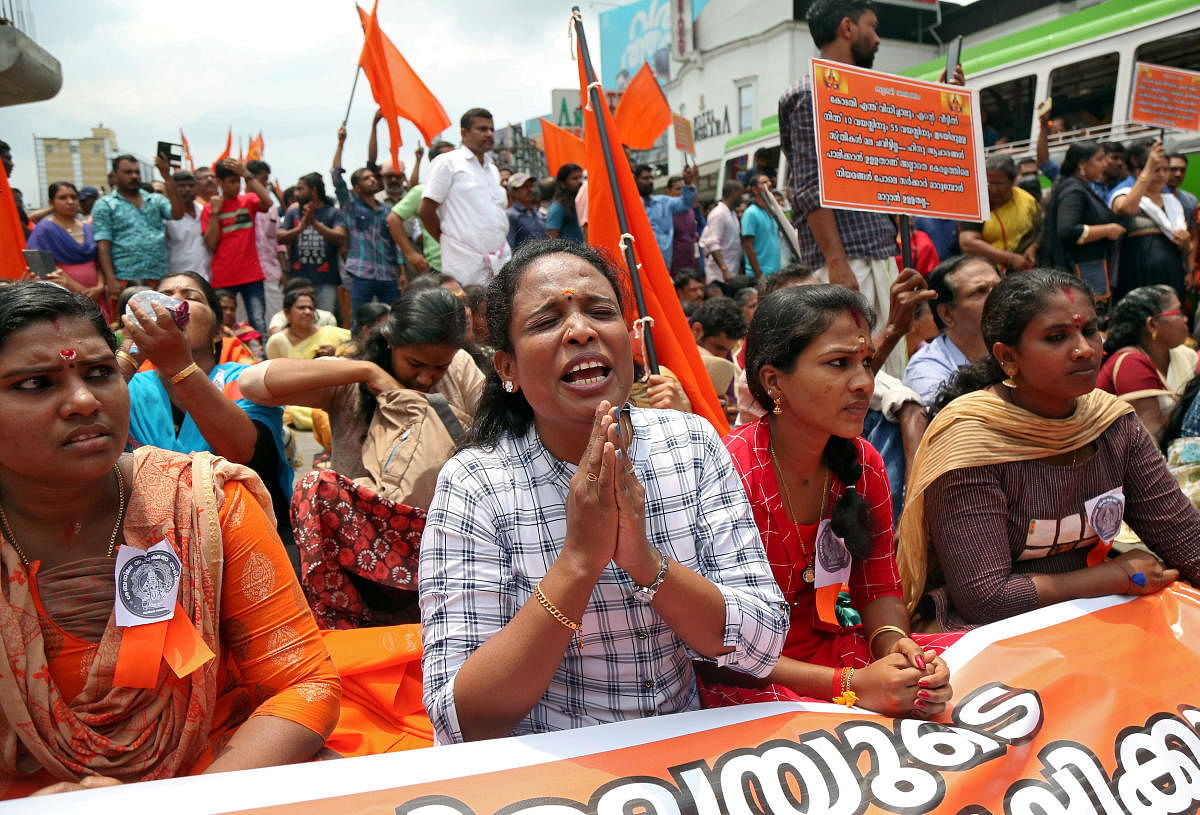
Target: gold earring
<point>778,403</point>
<point>1153,335</point>
<point>1010,382</point>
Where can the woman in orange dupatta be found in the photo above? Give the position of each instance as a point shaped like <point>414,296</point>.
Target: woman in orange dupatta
<point>87,702</point>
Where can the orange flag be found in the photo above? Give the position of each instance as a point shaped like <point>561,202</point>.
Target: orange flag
<point>397,89</point>
<point>562,147</point>
<point>187,150</point>
<point>12,236</point>
<point>255,151</point>
<point>643,113</point>
<point>228,149</point>
<point>673,340</point>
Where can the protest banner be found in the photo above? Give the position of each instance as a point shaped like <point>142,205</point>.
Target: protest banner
<point>1165,97</point>
<point>890,144</point>
<point>1089,706</point>
<point>683,134</point>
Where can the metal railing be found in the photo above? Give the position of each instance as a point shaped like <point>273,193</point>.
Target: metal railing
<point>18,14</point>
<point>1059,142</point>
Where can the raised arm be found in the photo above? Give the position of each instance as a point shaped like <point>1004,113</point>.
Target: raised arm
<point>310,382</point>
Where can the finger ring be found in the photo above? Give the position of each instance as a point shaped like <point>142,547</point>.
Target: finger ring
<point>593,477</point>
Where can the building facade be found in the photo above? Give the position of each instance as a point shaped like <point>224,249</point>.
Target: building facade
<point>82,161</point>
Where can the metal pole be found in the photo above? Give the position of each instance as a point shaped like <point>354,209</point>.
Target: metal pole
<point>906,252</point>
<point>357,71</point>
<point>622,222</point>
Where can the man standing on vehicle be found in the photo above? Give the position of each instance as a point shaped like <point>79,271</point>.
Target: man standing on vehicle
<point>853,248</point>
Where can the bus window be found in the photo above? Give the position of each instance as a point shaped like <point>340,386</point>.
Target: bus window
<point>1007,110</point>
<point>1178,51</point>
<point>734,167</point>
<point>1083,91</point>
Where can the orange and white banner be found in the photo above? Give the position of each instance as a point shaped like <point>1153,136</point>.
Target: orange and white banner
<point>891,144</point>
<point>1165,97</point>
<point>1084,707</point>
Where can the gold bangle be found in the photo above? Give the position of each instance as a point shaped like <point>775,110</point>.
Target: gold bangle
<point>558,615</point>
<point>883,629</point>
<point>125,356</point>
<point>185,373</point>
<point>848,697</point>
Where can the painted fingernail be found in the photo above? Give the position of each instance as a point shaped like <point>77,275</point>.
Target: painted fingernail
<point>922,694</point>
<point>922,683</point>
<point>920,661</point>
<point>1138,579</point>
<point>920,703</point>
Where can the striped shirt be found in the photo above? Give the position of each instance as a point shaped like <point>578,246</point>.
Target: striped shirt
<point>864,234</point>
<point>497,524</point>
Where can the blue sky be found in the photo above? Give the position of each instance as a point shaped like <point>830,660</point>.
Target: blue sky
<point>147,68</point>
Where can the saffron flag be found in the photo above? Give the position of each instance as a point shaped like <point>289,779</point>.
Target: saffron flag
<point>187,150</point>
<point>673,340</point>
<point>397,89</point>
<point>12,236</point>
<point>228,149</point>
<point>562,147</point>
<point>255,151</point>
<point>643,113</point>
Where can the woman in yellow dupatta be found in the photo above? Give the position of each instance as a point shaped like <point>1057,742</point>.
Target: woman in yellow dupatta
<point>1021,482</point>
<point>303,339</point>
<point>229,673</point>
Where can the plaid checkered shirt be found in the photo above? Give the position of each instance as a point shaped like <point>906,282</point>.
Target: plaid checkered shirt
<point>497,524</point>
<point>864,234</point>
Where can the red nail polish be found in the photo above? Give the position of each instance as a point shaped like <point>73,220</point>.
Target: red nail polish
<point>922,694</point>
<point>922,683</point>
<point>919,703</point>
<point>920,660</point>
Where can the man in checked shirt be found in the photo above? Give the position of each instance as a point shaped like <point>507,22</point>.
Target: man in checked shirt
<point>850,247</point>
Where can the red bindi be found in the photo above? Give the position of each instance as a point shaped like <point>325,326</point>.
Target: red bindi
<point>67,354</point>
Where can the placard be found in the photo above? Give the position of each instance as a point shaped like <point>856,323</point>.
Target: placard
<point>683,134</point>
<point>891,144</point>
<point>1165,97</point>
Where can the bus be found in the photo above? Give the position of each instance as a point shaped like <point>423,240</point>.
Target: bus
<point>1083,62</point>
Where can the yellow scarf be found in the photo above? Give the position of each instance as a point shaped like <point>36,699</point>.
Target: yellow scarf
<point>981,428</point>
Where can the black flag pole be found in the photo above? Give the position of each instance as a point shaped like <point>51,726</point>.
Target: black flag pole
<point>596,100</point>
<point>906,249</point>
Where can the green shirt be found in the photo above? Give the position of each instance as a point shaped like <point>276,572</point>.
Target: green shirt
<point>406,209</point>
<point>138,236</point>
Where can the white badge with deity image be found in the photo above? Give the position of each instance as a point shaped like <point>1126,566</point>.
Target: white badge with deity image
<point>832,557</point>
<point>1105,513</point>
<point>147,584</point>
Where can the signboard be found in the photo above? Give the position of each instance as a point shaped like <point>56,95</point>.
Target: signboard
<point>890,144</point>
<point>634,33</point>
<point>1165,97</point>
<point>683,134</point>
<point>681,28</point>
<point>566,109</point>
<point>1090,706</point>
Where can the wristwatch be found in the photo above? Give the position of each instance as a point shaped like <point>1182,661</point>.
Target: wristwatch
<point>645,594</point>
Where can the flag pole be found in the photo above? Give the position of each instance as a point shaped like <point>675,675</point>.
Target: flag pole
<point>622,222</point>
<point>357,71</point>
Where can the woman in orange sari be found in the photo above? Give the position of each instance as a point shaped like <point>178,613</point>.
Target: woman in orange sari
<point>199,655</point>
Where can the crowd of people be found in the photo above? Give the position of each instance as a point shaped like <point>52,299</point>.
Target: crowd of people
<point>914,452</point>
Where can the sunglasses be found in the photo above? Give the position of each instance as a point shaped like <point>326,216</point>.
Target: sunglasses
<point>1170,313</point>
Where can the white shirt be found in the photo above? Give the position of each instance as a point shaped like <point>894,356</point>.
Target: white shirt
<point>266,241</point>
<point>185,243</point>
<point>471,206</point>
<point>723,234</point>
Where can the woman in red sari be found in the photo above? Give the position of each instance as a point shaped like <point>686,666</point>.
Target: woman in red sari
<point>823,507</point>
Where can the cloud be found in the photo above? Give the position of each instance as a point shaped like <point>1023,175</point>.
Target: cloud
<point>146,68</point>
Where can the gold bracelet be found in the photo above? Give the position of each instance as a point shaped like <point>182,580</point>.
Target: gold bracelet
<point>558,615</point>
<point>848,697</point>
<point>883,629</point>
<point>185,373</point>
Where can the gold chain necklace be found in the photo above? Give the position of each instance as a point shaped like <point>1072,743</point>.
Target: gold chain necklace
<point>112,539</point>
<point>809,575</point>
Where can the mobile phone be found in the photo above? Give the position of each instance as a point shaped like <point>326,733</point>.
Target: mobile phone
<point>953,57</point>
<point>39,261</point>
<point>173,152</point>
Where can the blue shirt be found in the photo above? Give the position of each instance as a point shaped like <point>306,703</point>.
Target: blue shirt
<point>524,225</point>
<point>943,233</point>
<point>371,254</point>
<point>757,224</point>
<point>138,236</point>
<point>933,366</point>
<point>662,210</point>
<point>565,221</point>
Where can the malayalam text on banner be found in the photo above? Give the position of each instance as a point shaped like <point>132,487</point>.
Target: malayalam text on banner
<point>890,144</point>
<point>1165,97</point>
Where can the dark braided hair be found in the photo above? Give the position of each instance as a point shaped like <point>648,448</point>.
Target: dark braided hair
<point>785,323</point>
<point>501,412</point>
<point>1128,318</point>
<point>1009,310</point>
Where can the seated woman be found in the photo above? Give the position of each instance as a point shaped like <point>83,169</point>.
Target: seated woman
<point>87,702</point>
<point>1022,481</point>
<point>302,338</point>
<point>70,241</point>
<point>358,560</point>
<point>367,318</point>
<point>554,595</point>
<point>188,402</point>
<point>239,341</point>
<point>814,482</point>
<point>1148,365</point>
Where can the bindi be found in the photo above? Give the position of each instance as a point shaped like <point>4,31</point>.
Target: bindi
<point>568,293</point>
<point>68,354</point>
